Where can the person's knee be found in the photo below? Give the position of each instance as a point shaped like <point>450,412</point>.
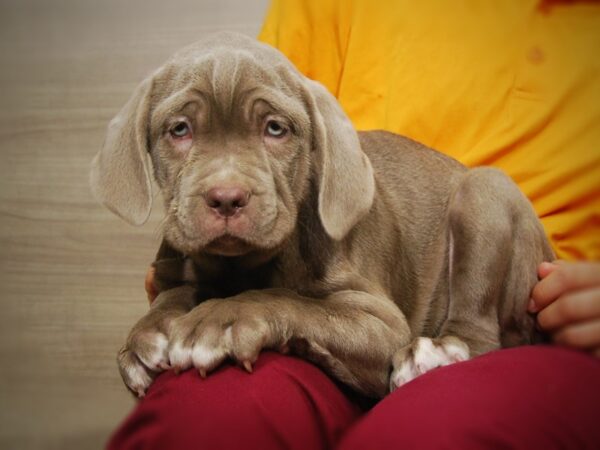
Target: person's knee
<point>529,397</point>
<point>284,403</point>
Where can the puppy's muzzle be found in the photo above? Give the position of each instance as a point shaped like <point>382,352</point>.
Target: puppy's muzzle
<point>227,201</point>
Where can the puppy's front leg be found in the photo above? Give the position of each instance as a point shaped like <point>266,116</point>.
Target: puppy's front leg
<point>145,351</point>
<point>350,334</point>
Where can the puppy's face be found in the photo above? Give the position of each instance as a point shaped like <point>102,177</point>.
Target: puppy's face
<point>236,135</point>
<point>230,148</point>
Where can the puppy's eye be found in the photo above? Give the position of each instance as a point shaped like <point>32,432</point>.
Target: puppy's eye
<point>275,129</point>
<point>180,130</point>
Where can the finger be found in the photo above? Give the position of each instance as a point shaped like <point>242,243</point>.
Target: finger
<point>565,277</point>
<point>149,284</point>
<point>546,268</point>
<point>585,335</point>
<point>571,308</point>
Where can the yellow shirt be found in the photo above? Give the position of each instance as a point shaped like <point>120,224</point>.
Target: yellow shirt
<point>513,84</point>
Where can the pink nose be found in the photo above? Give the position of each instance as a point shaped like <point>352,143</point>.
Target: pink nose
<point>227,201</point>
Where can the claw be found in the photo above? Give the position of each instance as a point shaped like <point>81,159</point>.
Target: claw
<point>202,372</point>
<point>248,366</point>
<point>164,366</point>
<point>284,349</point>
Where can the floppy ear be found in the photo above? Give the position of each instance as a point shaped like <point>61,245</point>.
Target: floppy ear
<point>120,175</point>
<point>346,184</point>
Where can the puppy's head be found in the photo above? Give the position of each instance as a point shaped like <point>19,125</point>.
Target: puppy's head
<point>234,134</point>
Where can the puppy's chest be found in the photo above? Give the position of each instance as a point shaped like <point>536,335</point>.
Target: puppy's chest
<point>227,278</point>
<point>232,281</point>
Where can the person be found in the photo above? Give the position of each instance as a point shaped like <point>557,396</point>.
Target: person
<point>511,84</point>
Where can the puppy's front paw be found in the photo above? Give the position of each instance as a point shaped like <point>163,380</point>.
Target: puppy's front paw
<point>423,355</point>
<point>217,330</point>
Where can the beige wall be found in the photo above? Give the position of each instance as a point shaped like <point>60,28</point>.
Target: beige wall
<point>71,274</point>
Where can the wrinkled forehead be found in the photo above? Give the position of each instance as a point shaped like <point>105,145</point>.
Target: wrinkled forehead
<point>228,79</point>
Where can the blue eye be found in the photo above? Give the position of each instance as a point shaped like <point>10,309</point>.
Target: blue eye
<point>275,129</point>
<point>180,130</point>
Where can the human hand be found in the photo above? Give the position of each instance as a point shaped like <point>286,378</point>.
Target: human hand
<point>151,291</point>
<point>567,300</point>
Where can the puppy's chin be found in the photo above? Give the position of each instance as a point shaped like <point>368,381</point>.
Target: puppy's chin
<point>228,245</point>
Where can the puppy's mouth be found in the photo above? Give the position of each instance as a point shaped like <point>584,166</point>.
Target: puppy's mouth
<point>228,245</point>
<point>195,231</point>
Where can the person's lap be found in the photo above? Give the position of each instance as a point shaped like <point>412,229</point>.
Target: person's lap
<point>529,397</point>
<point>285,403</point>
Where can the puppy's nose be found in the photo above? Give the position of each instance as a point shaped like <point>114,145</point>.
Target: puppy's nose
<point>227,201</point>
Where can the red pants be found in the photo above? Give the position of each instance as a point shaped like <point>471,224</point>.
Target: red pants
<point>525,398</point>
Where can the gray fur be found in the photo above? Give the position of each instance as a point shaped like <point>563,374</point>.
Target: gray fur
<point>352,244</point>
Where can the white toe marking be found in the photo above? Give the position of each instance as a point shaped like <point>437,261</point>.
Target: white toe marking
<point>205,357</point>
<point>138,379</point>
<point>455,352</point>
<point>427,356</point>
<point>160,341</point>
<point>404,373</point>
<point>180,356</point>
<point>228,338</point>
<point>157,360</point>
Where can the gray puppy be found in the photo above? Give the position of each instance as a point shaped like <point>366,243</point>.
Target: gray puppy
<point>367,253</point>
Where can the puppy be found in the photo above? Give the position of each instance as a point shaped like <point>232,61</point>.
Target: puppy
<point>367,253</point>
